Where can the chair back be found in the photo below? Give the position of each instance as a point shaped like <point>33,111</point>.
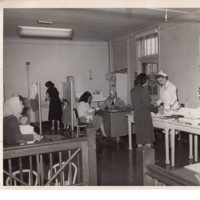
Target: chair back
<point>26,174</point>
<point>65,174</point>
<point>76,116</point>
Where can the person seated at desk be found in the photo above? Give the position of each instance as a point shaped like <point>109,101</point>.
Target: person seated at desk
<point>11,129</point>
<point>87,114</point>
<point>113,102</point>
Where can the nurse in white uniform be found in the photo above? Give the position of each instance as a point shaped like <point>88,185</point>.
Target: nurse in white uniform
<point>168,93</point>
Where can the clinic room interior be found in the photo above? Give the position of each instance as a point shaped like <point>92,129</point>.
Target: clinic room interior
<point>102,52</point>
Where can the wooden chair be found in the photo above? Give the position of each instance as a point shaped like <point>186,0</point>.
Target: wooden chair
<point>65,174</point>
<point>27,177</point>
<point>78,123</point>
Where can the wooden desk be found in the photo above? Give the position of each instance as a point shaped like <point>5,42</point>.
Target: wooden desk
<point>115,122</point>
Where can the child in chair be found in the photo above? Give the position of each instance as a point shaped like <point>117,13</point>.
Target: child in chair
<point>65,114</point>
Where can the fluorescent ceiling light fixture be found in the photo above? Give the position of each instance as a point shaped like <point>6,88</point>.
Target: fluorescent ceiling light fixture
<point>44,22</point>
<point>45,32</point>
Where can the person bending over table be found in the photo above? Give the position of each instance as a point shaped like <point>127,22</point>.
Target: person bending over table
<point>11,116</point>
<point>142,111</point>
<point>55,107</point>
<point>113,102</point>
<point>168,93</point>
<point>87,114</point>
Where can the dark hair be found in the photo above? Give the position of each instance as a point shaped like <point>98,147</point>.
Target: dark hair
<point>85,96</point>
<point>21,98</point>
<point>49,84</point>
<point>141,79</point>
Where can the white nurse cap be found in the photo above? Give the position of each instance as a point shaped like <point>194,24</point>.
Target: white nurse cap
<point>162,73</point>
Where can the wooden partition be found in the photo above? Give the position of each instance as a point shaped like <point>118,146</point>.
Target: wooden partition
<point>150,174</point>
<point>75,157</point>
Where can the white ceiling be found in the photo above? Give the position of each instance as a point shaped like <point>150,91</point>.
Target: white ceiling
<point>97,24</point>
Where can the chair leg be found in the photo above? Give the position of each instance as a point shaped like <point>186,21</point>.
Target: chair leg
<point>77,131</point>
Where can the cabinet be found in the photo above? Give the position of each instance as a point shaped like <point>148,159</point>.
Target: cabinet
<point>119,83</point>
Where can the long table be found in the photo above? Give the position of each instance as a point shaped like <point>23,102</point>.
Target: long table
<point>157,123</point>
<point>170,127</point>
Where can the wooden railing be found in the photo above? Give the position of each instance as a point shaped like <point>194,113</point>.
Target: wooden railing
<point>76,159</point>
<point>163,177</point>
<point>148,174</point>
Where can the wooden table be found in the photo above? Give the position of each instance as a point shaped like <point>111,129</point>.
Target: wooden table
<point>115,122</point>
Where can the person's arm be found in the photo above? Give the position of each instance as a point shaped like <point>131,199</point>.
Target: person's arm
<point>47,97</point>
<point>121,103</point>
<point>148,104</point>
<point>105,104</point>
<point>173,94</point>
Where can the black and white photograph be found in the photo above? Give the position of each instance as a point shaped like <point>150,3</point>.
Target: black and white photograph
<point>100,96</point>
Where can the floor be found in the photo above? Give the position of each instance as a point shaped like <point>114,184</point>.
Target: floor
<point>116,165</point>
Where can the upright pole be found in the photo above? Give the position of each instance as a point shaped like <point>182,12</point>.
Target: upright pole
<point>27,73</point>
<point>39,107</point>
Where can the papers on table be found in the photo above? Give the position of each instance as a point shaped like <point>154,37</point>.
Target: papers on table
<point>191,113</point>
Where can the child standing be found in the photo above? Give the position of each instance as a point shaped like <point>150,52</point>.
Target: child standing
<point>66,114</point>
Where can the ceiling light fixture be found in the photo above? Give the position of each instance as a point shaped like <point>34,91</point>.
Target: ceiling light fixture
<point>45,32</point>
<point>44,22</point>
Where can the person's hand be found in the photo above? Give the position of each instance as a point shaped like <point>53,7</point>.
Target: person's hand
<point>161,111</point>
<point>23,120</point>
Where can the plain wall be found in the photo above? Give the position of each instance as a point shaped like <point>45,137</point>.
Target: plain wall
<point>54,60</point>
<point>180,59</point>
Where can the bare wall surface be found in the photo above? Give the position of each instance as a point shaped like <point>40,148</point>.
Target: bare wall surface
<point>54,60</point>
<point>180,59</point>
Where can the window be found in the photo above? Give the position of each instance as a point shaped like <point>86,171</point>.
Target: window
<point>147,45</point>
<point>148,58</point>
<point>151,69</point>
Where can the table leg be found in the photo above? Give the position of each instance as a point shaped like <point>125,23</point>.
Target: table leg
<point>172,137</point>
<point>167,146</point>
<point>196,148</point>
<point>190,146</point>
<point>129,134</point>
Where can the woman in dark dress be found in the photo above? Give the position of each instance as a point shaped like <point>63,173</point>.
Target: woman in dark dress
<point>55,108</point>
<point>142,111</point>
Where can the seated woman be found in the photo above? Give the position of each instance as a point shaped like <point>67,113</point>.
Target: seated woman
<point>87,114</point>
<point>11,115</point>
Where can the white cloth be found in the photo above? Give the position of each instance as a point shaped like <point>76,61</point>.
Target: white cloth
<point>168,95</point>
<point>33,91</point>
<point>26,129</point>
<point>84,110</point>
